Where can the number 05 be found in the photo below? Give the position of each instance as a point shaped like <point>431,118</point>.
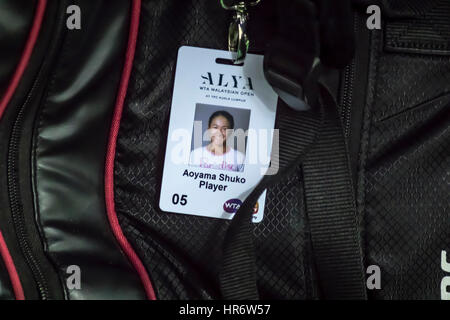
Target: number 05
<point>176,199</point>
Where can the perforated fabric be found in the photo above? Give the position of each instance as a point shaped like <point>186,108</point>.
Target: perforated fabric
<point>407,173</point>
<point>402,187</point>
<point>183,253</point>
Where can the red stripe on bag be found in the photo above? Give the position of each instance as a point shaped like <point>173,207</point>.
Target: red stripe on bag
<point>25,58</point>
<point>109,167</point>
<point>11,268</point>
<point>12,86</point>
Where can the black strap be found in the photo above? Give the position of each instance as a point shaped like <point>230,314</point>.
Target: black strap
<point>331,211</point>
<point>315,139</point>
<point>297,134</point>
<point>330,207</point>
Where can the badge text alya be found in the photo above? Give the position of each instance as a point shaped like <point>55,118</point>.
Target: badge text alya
<point>205,184</point>
<point>229,84</point>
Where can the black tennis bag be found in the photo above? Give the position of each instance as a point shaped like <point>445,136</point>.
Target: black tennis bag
<point>358,208</point>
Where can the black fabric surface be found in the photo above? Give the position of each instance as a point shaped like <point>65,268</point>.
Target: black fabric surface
<point>428,31</point>
<point>402,182</point>
<point>404,174</point>
<point>183,253</point>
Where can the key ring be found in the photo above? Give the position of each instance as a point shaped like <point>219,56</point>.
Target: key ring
<point>238,40</point>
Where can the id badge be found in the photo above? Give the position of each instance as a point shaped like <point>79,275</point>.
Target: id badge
<point>220,134</point>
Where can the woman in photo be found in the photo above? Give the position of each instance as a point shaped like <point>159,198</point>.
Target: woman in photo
<point>217,154</point>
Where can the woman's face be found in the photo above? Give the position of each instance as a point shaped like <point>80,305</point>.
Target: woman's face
<point>218,130</point>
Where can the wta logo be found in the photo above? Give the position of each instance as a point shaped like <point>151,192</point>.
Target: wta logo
<point>232,206</point>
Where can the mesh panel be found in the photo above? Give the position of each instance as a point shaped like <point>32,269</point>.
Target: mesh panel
<point>407,213</point>
<point>183,253</point>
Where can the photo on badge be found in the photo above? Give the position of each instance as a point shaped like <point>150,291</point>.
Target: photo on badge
<point>219,137</point>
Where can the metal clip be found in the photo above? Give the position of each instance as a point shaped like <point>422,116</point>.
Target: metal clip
<point>238,40</point>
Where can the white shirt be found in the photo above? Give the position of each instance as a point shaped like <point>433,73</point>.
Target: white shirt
<point>233,160</point>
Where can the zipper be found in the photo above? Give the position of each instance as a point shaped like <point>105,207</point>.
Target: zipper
<point>13,179</point>
<point>346,102</point>
<point>347,93</point>
<point>16,204</point>
<point>353,89</point>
